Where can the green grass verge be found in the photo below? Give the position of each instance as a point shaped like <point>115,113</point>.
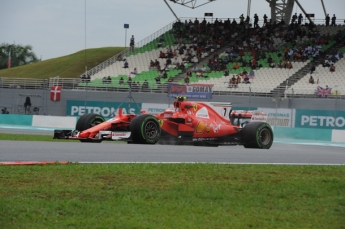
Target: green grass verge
<point>44,138</point>
<point>28,137</point>
<point>71,66</point>
<point>172,196</point>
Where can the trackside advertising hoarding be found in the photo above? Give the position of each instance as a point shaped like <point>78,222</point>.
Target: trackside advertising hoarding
<point>106,109</point>
<point>321,119</point>
<point>279,117</point>
<point>191,91</point>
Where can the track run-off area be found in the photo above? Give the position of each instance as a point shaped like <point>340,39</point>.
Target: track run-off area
<point>283,151</point>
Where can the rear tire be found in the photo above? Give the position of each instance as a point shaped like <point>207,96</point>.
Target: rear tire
<point>145,129</point>
<point>87,121</point>
<point>257,135</point>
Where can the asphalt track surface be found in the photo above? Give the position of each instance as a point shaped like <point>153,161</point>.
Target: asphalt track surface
<point>290,152</point>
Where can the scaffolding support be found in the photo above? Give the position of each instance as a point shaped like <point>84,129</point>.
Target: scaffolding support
<point>324,9</point>
<point>305,13</point>
<point>172,11</point>
<point>248,7</point>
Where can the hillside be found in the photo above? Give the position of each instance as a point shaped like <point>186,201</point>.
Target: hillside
<point>70,66</point>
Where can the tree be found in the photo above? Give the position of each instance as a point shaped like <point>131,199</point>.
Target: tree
<point>20,55</point>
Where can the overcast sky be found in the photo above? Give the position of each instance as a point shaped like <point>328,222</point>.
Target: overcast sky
<point>57,27</point>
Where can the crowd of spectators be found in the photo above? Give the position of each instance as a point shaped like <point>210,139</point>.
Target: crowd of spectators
<point>195,39</point>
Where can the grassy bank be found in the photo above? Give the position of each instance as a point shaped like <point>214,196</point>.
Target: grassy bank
<point>70,66</point>
<point>172,196</point>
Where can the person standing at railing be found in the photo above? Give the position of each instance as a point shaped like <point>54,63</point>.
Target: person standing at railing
<point>300,19</point>
<point>131,43</point>
<point>265,20</point>
<point>294,17</point>
<point>333,20</point>
<point>256,21</point>
<point>327,19</point>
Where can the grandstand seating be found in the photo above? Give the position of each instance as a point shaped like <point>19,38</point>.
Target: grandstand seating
<point>323,77</point>
<point>266,79</point>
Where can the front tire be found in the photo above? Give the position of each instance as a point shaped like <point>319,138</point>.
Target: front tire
<point>145,129</point>
<point>257,135</point>
<point>87,121</point>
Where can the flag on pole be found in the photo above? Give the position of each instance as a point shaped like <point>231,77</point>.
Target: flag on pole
<point>9,60</point>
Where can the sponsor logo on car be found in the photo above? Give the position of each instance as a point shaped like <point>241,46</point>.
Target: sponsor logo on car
<point>160,121</point>
<point>200,127</point>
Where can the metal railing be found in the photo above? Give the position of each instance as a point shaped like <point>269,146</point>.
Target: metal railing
<point>127,51</point>
<point>253,89</point>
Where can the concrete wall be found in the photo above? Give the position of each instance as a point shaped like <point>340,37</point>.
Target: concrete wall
<point>14,98</point>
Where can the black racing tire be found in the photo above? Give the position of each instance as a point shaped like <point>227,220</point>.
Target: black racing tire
<point>257,135</point>
<point>87,121</point>
<point>145,129</point>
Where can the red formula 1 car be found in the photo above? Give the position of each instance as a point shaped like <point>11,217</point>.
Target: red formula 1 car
<point>193,123</point>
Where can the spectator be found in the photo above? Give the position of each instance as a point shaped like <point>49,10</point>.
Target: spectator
<point>300,19</point>
<point>158,80</point>
<point>131,43</point>
<point>312,69</point>
<point>135,72</point>
<point>332,68</point>
<point>182,67</point>
<point>269,60</point>
<point>289,65</point>
<point>236,66</point>
<point>119,58</point>
<point>272,64</point>
<point>125,65</point>
<point>121,81</point>
<point>189,73</point>
<point>145,85</point>
<point>327,20</point>
<point>168,62</point>
<point>226,72</point>
<point>162,54</point>
<point>256,21</point>
<point>4,111</point>
<point>334,18</point>
<point>129,81</point>
<point>294,17</point>
<point>203,69</point>
<point>238,79</point>
<point>311,80</point>
<point>175,62</point>
<point>186,79</point>
<point>246,80</point>
<point>152,64</point>
<point>326,64</point>
<point>251,74</point>
<point>265,20</point>
<point>195,68</point>
<point>108,79</point>
<point>104,80</point>
<point>170,79</point>
<point>232,82</point>
<point>165,75</point>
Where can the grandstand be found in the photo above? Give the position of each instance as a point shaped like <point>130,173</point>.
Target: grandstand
<point>267,82</point>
